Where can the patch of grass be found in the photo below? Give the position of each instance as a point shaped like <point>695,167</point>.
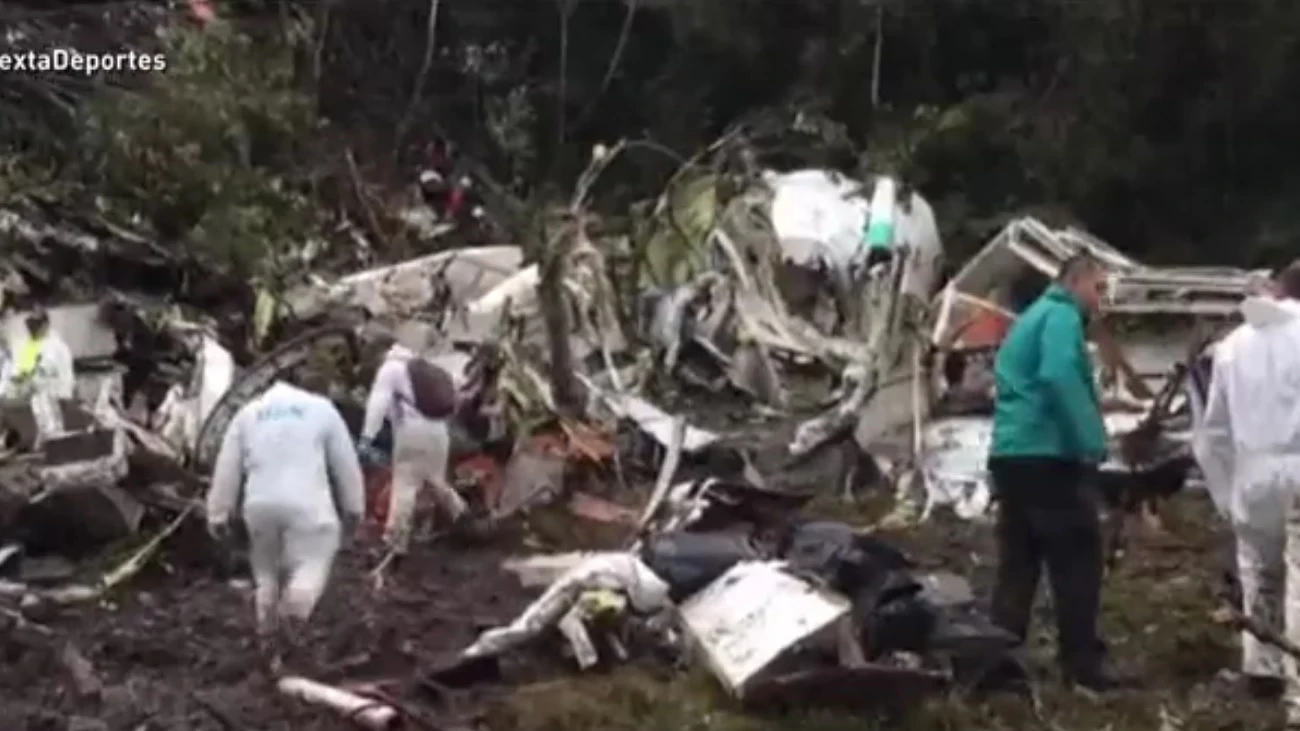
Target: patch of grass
<point>631,699</point>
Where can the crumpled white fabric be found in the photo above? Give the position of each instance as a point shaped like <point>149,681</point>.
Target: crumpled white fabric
<point>614,571</point>
<point>1250,435</point>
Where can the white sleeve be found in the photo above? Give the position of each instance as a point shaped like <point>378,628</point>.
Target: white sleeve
<point>1212,442</point>
<point>344,467</point>
<point>61,368</point>
<point>6,372</point>
<point>380,401</point>
<point>228,473</point>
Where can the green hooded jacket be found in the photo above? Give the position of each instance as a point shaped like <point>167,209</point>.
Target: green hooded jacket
<point>1046,403</point>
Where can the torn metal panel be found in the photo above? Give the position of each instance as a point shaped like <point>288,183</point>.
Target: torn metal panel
<point>954,464</point>
<point>975,309</point>
<point>1026,248</point>
<point>755,614</point>
<point>407,288</point>
<point>890,350</point>
<point>954,460</point>
<point>1027,242</point>
<point>588,294</point>
<point>98,457</point>
<point>467,272</point>
<point>821,217</point>
<point>91,382</point>
<point>777,225</point>
<point>658,423</point>
<point>892,408</point>
<point>187,405</point>
<point>258,377</point>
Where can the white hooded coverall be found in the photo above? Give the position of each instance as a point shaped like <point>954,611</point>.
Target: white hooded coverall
<point>1217,473</point>
<point>292,455</point>
<point>1251,436</point>
<point>48,381</point>
<point>421,447</point>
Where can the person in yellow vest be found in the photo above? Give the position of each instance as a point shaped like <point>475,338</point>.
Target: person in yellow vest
<point>43,363</point>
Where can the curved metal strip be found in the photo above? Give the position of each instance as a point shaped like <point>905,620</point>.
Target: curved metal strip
<point>292,354</point>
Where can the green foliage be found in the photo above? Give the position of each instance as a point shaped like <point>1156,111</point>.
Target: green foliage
<point>673,251</point>
<point>206,153</point>
<point>1165,128</point>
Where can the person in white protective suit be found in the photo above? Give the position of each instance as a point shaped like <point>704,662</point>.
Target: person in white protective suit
<point>1250,439</point>
<point>288,464</point>
<point>1217,484</point>
<point>421,448</point>
<point>44,362</point>
<point>41,370</point>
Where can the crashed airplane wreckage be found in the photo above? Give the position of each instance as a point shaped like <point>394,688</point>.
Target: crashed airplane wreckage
<point>82,473</point>
<point>85,470</point>
<point>1155,320</point>
<point>914,365</point>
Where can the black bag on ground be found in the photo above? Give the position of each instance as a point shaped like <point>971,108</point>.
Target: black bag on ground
<point>688,562</point>
<point>432,389</point>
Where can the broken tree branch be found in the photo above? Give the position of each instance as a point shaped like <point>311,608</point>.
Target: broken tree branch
<point>555,315</point>
<point>614,58</point>
<point>566,13</point>
<point>556,244</point>
<point>358,188</point>
<point>1232,617</point>
<point>665,479</point>
<point>430,44</point>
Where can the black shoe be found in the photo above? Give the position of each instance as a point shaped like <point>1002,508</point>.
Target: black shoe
<point>1099,681</point>
<point>1265,687</point>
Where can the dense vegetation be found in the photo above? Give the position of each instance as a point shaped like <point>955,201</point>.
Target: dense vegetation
<point>1166,127</point>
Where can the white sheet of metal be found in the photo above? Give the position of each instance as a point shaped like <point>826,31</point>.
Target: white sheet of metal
<point>752,615</point>
<point>955,459</point>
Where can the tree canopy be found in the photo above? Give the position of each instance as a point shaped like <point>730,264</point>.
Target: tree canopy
<point>1165,127</point>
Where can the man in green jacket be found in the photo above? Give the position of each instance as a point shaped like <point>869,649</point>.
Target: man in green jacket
<point>1048,438</point>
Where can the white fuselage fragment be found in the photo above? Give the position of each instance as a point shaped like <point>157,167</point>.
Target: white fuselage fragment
<point>753,615</point>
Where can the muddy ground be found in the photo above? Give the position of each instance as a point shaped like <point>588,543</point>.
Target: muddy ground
<point>174,651</point>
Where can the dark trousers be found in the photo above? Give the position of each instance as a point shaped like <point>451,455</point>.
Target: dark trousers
<point>1047,515</point>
